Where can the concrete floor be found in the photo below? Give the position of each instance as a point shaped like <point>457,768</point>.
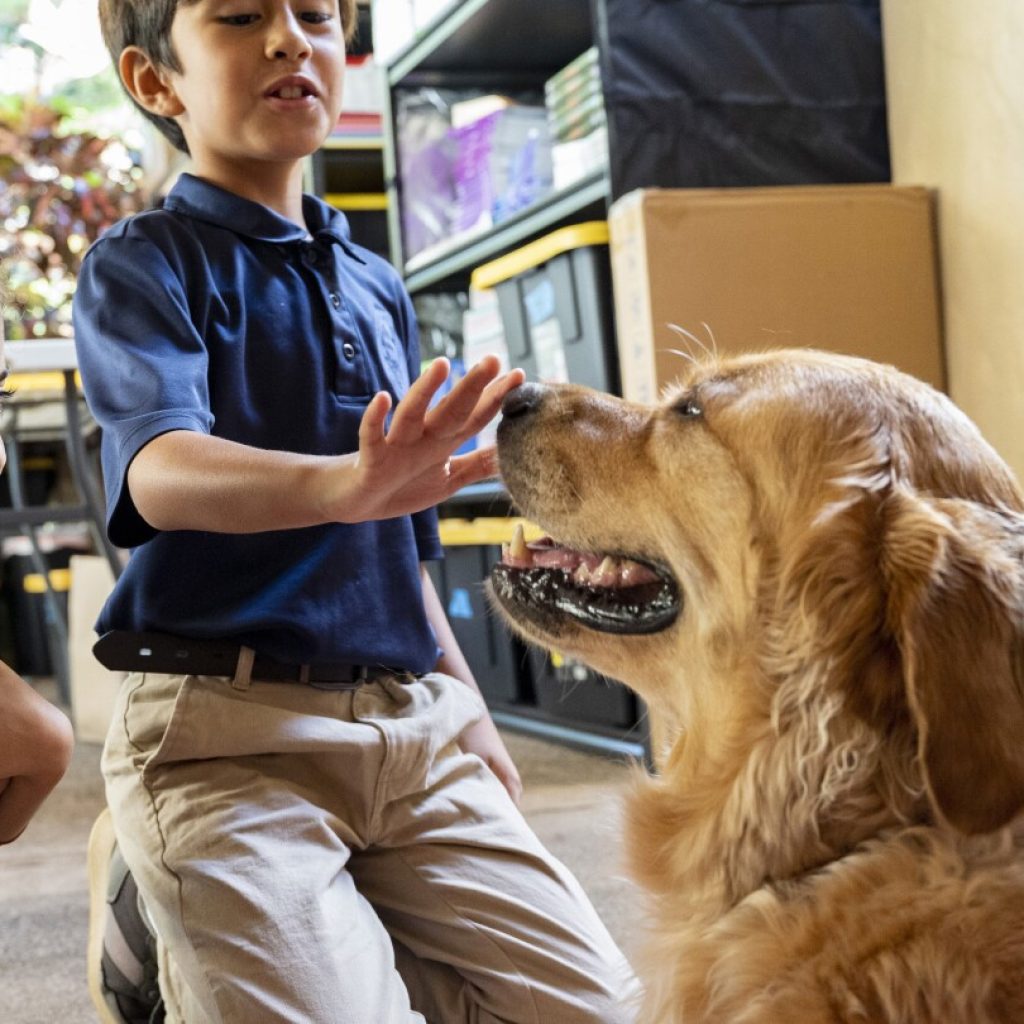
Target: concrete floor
<point>570,799</point>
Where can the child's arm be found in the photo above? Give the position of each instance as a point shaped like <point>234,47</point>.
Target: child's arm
<point>36,742</point>
<point>481,738</point>
<point>186,480</point>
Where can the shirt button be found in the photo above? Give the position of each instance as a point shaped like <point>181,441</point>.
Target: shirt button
<point>335,300</point>
<point>311,257</point>
<point>348,350</point>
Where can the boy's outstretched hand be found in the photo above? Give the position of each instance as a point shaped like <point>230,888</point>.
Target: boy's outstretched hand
<point>409,466</point>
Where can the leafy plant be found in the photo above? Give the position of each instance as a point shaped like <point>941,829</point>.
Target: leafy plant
<point>59,190</point>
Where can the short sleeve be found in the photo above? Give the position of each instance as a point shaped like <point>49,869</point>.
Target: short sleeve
<point>142,360</point>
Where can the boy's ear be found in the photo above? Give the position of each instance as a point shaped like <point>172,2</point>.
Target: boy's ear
<point>148,84</point>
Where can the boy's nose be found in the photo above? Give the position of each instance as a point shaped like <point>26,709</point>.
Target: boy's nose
<point>286,40</point>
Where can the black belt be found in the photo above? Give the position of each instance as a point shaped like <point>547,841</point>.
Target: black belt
<point>159,652</point>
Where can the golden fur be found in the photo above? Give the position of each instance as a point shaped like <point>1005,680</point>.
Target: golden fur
<point>833,834</point>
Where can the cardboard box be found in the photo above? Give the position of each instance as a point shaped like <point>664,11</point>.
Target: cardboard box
<point>849,268</point>
<point>93,687</point>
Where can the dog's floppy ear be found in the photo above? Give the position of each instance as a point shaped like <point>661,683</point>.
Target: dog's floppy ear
<point>955,592</point>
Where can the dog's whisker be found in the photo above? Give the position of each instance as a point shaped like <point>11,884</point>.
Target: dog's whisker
<point>711,335</point>
<point>684,333</point>
<point>688,356</point>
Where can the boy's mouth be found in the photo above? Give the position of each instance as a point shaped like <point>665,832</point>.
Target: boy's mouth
<point>292,88</point>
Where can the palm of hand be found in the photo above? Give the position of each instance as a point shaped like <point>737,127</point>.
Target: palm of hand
<point>410,466</point>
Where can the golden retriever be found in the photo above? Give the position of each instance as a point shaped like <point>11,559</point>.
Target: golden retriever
<point>810,568</point>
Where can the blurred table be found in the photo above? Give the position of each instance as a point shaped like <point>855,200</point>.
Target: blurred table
<point>48,405</point>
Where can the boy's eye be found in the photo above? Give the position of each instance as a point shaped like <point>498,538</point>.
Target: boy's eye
<point>237,19</point>
<point>316,17</point>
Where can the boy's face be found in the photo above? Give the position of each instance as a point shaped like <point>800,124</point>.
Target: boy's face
<point>261,80</point>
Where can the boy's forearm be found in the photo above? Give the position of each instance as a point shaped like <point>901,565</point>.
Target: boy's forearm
<point>184,480</point>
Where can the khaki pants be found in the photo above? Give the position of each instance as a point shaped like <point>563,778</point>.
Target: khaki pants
<point>332,856</point>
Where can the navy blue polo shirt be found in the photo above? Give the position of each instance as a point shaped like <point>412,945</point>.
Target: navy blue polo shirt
<point>216,314</point>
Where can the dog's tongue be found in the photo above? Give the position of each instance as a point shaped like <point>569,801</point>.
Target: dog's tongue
<point>591,570</point>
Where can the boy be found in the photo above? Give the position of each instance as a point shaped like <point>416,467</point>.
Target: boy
<point>317,809</point>
<point>36,740</point>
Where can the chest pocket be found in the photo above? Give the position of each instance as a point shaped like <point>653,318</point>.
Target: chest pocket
<point>392,353</point>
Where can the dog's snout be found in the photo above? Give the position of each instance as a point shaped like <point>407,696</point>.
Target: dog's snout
<point>522,400</point>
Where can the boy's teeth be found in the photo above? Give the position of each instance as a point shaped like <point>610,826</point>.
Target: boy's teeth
<point>290,92</point>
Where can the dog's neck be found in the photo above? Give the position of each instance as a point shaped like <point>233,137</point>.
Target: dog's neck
<point>742,803</point>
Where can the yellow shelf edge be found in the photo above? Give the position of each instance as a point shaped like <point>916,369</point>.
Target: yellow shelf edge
<point>574,236</point>
<point>484,531</point>
<point>357,200</point>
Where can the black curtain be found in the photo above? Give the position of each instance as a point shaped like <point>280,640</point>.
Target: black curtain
<point>706,93</point>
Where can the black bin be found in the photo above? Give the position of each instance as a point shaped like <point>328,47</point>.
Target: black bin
<point>493,655</point>
<point>24,590</point>
<point>555,298</point>
<point>573,693</point>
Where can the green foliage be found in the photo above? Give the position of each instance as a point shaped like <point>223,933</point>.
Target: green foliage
<point>63,186</point>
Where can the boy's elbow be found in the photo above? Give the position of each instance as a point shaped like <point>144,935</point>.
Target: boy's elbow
<point>56,743</point>
<point>59,741</point>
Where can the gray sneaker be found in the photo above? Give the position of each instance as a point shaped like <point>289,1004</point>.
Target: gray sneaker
<point>122,958</point>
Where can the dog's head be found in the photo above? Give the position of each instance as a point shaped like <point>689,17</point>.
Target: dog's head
<point>786,531</point>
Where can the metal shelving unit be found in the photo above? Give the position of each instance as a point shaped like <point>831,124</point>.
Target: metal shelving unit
<point>501,45</point>
<point>490,45</point>
<point>587,198</point>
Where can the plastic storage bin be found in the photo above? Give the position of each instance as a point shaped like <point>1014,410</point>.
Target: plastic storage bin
<point>572,693</point>
<point>496,658</point>
<point>555,296</point>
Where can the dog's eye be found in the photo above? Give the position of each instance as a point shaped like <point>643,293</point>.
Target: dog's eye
<point>689,407</point>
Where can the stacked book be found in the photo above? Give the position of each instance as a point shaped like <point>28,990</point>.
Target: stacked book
<point>362,110</point>
<point>576,119</point>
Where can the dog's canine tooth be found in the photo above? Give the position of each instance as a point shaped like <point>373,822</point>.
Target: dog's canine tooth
<point>518,548</point>
<point>607,572</point>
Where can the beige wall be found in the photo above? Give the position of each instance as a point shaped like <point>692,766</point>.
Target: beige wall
<point>955,80</point>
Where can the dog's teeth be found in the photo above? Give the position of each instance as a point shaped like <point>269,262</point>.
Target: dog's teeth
<point>505,552</point>
<point>518,548</point>
<point>582,573</point>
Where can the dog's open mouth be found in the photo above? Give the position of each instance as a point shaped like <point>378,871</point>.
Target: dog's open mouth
<point>612,594</point>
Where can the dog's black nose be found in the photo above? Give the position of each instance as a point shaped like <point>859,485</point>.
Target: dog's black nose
<point>522,400</point>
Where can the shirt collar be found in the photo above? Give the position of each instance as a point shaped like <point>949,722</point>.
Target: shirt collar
<point>205,201</point>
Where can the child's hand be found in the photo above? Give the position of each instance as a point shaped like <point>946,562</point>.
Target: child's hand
<point>483,739</point>
<point>410,467</point>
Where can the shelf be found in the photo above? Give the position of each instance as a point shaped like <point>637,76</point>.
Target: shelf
<point>534,723</point>
<point>356,200</point>
<point>466,254</point>
<point>495,35</point>
<point>339,143</point>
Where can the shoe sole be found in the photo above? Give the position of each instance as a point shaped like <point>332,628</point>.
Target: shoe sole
<point>101,846</point>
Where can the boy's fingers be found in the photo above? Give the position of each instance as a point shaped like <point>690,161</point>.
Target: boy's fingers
<point>473,467</point>
<point>407,422</point>
<point>457,406</point>
<point>489,404</point>
<point>371,426</point>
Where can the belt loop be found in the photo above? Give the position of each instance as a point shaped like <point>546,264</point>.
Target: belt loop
<point>243,670</point>
<point>304,673</point>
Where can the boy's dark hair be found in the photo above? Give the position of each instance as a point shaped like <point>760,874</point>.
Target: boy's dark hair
<point>147,25</point>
